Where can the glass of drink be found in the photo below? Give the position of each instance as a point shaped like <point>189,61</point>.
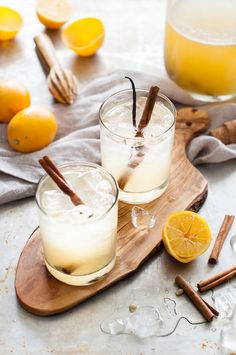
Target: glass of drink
<point>79,242</point>
<point>200,47</point>
<point>141,165</point>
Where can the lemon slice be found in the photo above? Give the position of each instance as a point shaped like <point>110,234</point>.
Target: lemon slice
<point>84,36</point>
<point>186,235</point>
<point>10,23</point>
<point>53,13</point>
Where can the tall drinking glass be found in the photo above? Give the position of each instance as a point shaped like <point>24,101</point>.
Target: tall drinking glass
<point>200,47</point>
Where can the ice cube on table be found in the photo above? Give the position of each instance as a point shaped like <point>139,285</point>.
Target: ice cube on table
<point>141,218</point>
<point>143,323</point>
<point>233,243</point>
<point>225,299</point>
<point>113,326</point>
<point>54,200</point>
<point>228,338</point>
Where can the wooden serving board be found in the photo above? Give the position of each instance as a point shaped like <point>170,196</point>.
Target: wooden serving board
<point>41,294</point>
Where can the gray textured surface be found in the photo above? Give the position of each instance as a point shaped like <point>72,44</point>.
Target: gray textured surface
<point>134,38</point>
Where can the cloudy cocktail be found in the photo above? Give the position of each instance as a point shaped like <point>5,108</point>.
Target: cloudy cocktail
<point>79,242</point>
<point>141,165</point>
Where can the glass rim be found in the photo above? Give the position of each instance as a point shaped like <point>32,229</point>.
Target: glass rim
<point>79,163</point>
<point>138,139</point>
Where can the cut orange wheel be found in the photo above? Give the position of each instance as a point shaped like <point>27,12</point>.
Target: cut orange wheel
<point>186,235</point>
<point>53,13</point>
<point>84,36</point>
<point>10,23</point>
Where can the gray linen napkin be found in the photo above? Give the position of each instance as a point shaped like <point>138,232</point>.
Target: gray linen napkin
<point>78,133</point>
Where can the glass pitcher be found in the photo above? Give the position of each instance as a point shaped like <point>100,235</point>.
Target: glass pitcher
<point>200,47</point>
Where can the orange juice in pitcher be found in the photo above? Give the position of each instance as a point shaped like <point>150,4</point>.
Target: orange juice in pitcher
<point>200,47</point>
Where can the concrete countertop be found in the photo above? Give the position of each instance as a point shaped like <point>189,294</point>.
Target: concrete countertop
<point>78,331</point>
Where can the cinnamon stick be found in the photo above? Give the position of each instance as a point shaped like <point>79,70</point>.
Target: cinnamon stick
<point>223,232</point>
<point>202,306</point>
<point>217,279</point>
<point>51,163</point>
<point>50,167</point>
<point>216,313</point>
<point>138,153</point>
<point>147,112</point>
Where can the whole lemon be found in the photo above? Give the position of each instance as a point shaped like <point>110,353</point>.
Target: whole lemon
<point>14,97</point>
<point>31,129</point>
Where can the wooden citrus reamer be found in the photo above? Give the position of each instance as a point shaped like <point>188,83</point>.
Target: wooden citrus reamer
<point>62,83</point>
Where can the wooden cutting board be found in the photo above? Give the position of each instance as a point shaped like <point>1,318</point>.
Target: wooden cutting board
<point>41,294</point>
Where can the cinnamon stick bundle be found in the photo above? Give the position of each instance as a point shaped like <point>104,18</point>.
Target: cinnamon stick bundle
<point>217,280</point>
<point>139,152</point>
<point>204,308</point>
<point>220,239</point>
<point>50,167</point>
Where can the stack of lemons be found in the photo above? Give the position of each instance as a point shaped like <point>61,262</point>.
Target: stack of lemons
<point>84,36</point>
<point>29,128</point>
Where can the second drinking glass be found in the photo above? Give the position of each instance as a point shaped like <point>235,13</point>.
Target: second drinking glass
<point>141,165</point>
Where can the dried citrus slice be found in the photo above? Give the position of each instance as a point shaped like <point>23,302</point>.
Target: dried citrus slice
<point>10,23</point>
<point>186,235</point>
<point>84,36</point>
<point>53,13</point>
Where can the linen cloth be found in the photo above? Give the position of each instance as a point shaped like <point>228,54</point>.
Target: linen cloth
<point>78,132</point>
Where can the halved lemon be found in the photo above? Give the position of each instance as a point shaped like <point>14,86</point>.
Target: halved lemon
<point>53,13</point>
<point>10,23</point>
<point>84,36</point>
<point>186,235</point>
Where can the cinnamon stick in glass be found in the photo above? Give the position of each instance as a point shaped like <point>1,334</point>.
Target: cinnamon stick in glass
<point>51,163</point>
<point>220,239</point>
<point>50,167</point>
<point>147,112</point>
<point>138,152</point>
<point>203,307</point>
<point>217,279</point>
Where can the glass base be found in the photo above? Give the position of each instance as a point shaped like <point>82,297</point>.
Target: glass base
<point>138,198</point>
<point>81,280</point>
<point>209,98</point>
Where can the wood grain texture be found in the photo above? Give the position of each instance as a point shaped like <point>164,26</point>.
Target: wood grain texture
<point>41,294</point>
